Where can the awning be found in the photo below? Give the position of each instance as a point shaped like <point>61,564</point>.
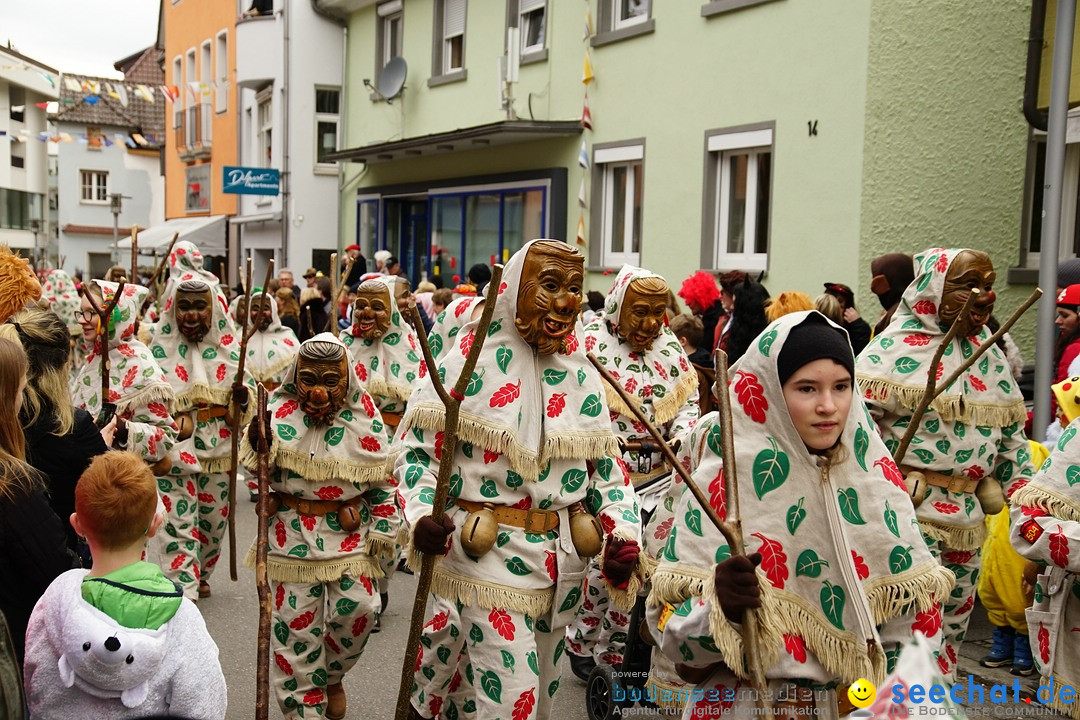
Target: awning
<point>257,218</point>
<point>206,231</point>
<point>470,138</point>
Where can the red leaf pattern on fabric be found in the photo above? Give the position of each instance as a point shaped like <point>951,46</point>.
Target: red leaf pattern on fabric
<point>438,622</point>
<point>942,263</point>
<point>925,307</point>
<point>891,472</point>
<point>220,374</point>
<point>976,383</point>
<point>590,343</point>
<point>287,408</point>
<point>523,706</point>
<point>279,597</point>
<point>226,339</point>
<point>283,664</point>
<point>717,496</point>
<point>795,647</point>
<point>358,625</point>
<point>329,492</point>
<point>505,395</point>
<point>382,511</point>
<point>361,371</point>
<point>606,523</point>
<point>556,404</point>
<point>660,369</point>
<point>552,565</point>
<point>1033,511</point>
<point>500,620</point>
<point>438,445</point>
<point>369,405</point>
<point>466,342</point>
<point>946,508</point>
<point>1059,548</point>
<point>435,705</point>
<point>370,444</point>
<point>279,533</point>
<point>181,373</point>
<point>571,343</point>
<point>751,396</point>
<point>303,620</point>
<point>860,566</point>
<point>958,556</point>
<point>462,307</point>
<point>663,529</point>
<point>917,339</point>
<point>350,543</point>
<point>975,472</point>
<point>313,697</point>
<point>928,622</point>
<point>1044,644</point>
<point>158,409</point>
<point>773,561</point>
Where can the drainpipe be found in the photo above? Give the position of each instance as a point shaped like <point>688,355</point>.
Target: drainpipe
<point>1051,227</point>
<point>286,196</point>
<point>1035,118</point>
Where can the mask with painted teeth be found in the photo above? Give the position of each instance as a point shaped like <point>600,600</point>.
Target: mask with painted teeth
<point>322,379</point>
<point>550,295</point>
<point>641,316</point>
<point>969,269</point>
<point>371,310</point>
<point>194,309</point>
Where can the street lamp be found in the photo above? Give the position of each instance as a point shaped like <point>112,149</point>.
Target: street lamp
<point>115,203</point>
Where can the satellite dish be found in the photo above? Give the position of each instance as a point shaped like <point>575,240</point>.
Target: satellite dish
<point>391,79</point>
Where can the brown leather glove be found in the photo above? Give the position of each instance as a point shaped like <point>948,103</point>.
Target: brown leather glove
<point>430,537</point>
<point>240,395</point>
<point>253,432</point>
<point>620,558</point>
<point>736,585</point>
<point>120,438</point>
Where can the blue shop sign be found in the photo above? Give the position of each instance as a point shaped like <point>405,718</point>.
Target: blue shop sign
<point>251,181</point>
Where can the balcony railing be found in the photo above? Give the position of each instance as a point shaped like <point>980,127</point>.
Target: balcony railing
<point>200,125</point>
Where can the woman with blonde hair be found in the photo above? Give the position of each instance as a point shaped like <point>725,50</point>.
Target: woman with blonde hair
<point>829,306</point>
<point>60,439</point>
<point>31,534</point>
<point>288,309</point>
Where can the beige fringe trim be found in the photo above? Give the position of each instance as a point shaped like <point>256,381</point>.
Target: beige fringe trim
<point>377,384</point>
<point>216,465</point>
<point>950,407</point>
<point>381,547</point>
<point>657,689</point>
<point>297,570</point>
<point>143,335</point>
<point>1070,710</point>
<point>201,394</point>
<point>955,538</point>
<point>321,469</point>
<point>265,374</point>
<point>624,598</point>
<point>472,591</point>
<point>477,430</point>
<point>665,408</point>
<point>892,595</point>
<point>1049,500</point>
<point>674,583</point>
<point>160,392</point>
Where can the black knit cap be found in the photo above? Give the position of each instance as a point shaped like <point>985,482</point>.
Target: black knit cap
<point>812,339</point>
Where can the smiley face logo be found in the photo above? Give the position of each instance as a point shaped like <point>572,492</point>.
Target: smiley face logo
<point>861,693</point>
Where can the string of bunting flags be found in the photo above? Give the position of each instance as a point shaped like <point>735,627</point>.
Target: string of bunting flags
<point>587,77</point>
<point>133,140</point>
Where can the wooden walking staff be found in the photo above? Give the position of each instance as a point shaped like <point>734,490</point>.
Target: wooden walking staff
<point>336,281</point>
<point>262,581</point>
<point>452,401</point>
<point>246,331</point>
<point>103,335</point>
<point>134,276</point>
<point>730,527</point>
<point>156,282</point>
<point>932,388</point>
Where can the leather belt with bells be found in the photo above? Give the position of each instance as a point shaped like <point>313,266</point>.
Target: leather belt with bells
<point>205,414</point>
<point>316,508</point>
<point>531,520</point>
<point>952,483</point>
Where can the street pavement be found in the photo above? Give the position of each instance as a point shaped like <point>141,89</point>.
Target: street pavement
<point>232,617</point>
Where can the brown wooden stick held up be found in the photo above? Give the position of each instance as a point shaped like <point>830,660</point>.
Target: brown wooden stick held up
<point>442,484</point>
<point>730,529</point>
<point>134,277</point>
<point>246,330</point>
<point>932,389</point>
<point>156,282</point>
<point>262,582</point>
<point>103,335</point>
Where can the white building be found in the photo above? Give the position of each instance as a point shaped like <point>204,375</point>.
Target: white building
<point>26,85</point>
<point>288,71</point>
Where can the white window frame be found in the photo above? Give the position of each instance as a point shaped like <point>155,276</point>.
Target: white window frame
<point>264,126</point>
<point>178,83</point>
<point>190,76</point>
<point>452,27</point>
<point>98,185</point>
<point>326,118</point>
<point>618,22</point>
<point>221,74</point>
<point>527,12</point>
<point>391,30</point>
<point>723,147</point>
<point>607,160</point>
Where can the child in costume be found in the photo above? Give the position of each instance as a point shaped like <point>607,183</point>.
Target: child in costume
<point>336,517</point>
<point>198,348</point>
<point>1046,529</point>
<point>631,339</point>
<point>533,468</point>
<point>969,450</point>
<point>844,574</point>
<point>137,386</point>
<point>120,640</point>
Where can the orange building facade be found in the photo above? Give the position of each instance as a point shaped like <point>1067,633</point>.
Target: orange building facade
<point>201,124</point>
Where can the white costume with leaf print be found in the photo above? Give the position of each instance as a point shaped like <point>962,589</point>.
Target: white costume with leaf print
<point>973,428</point>
<point>201,375</point>
<point>1046,529</point>
<point>271,351</point>
<point>663,385</point>
<point>390,365</point>
<point>534,432</point>
<point>321,575</point>
<point>842,553</point>
<point>137,386</point>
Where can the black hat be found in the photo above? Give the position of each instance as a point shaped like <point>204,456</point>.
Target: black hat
<point>812,339</point>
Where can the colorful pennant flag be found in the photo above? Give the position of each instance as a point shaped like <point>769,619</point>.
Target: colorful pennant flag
<point>146,93</point>
<point>581,192</point>
<point>171,92</point>
<point>587,71</point>
<point>583,155</point>
<point>581,229</point>
<point>588,25</point>
<point>72,84</point>
<point>586,115</point>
